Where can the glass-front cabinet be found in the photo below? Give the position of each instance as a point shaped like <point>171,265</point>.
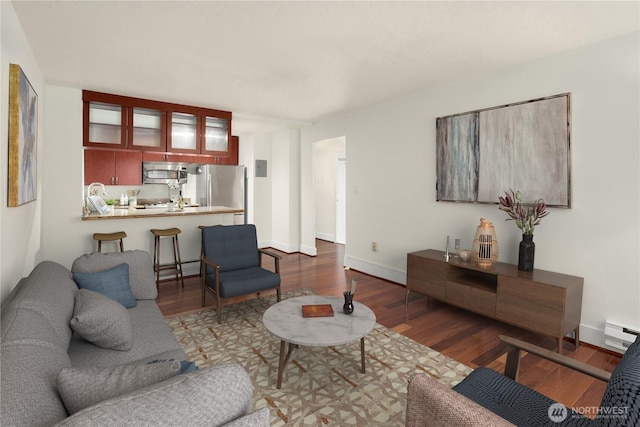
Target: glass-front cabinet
<point>105,125</point>
<point>147,130</point>
<point>183,134</point>
<point>216,135</point>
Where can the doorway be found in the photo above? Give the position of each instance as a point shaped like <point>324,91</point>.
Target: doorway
<point>330,176</point>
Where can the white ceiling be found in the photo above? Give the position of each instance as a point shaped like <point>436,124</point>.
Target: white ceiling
<point>290,63</point>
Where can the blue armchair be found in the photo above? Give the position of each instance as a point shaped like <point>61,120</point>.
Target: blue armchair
<point>231,264</point>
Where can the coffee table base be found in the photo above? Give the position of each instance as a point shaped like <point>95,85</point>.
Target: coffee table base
<point>284,358</point>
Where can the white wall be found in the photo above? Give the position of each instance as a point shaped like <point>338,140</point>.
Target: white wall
<point>262,189</point>
<point>285,187</point>
<point>391,178</point>
<point>20,226</point>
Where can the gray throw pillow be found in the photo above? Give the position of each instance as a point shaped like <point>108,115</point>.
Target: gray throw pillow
<point>113,283</point>
<point>102,321</point>
<point>84,387</point>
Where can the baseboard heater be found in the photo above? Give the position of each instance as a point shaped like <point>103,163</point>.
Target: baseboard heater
<point>619,336</point>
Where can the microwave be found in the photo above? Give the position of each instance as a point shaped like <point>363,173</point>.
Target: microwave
<point>164,173</point>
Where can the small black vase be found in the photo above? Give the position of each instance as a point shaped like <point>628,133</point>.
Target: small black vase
<point>526,253</point>
<point>347,308</point>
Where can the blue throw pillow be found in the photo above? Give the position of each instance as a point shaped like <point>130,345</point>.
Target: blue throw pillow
<point>113,283</point>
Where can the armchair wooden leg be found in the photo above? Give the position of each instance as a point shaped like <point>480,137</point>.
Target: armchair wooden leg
<point>512,365</point>
<point>218,313</point>
<point>203,283</point>
<point>278,293</point>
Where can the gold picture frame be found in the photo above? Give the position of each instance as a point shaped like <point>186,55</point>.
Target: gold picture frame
<point>23,138</point>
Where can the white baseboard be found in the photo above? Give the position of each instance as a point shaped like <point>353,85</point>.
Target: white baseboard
<point>377,270</point>
<point>284,247</point>
<point>326,236</point>
<point>309,250</point>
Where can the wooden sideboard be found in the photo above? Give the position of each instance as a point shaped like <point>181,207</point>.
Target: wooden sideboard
<point>540,301</point>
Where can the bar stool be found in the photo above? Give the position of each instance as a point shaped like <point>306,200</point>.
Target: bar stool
<point>109,237</point>
<point>176,266</point>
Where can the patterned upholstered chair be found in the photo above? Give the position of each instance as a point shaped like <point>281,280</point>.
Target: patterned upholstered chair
<point>232,264</point>
<point>486,397</point>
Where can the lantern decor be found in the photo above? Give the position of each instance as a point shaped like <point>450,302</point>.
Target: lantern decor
<point>484,250</point>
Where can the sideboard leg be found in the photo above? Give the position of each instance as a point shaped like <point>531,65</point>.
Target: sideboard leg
<point>512,365</point>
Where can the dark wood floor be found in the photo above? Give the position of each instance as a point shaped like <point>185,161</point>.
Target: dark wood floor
<point>466,337</point>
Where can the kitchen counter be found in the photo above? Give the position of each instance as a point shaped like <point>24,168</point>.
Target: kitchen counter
<point>130,212</point>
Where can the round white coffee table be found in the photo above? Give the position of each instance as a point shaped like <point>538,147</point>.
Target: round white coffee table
<point>284,320</point>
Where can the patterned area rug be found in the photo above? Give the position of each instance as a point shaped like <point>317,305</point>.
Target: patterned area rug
<point>321,385</point>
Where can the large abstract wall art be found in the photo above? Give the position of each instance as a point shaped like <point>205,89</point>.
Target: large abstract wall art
<point>524,146</point>
<point>23,138</point>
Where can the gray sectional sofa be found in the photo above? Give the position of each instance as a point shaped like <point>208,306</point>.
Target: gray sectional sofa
<point>74,357</point>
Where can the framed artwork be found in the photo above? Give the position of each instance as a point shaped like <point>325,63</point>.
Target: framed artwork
<point>523,146</point>
<point>23,138</point>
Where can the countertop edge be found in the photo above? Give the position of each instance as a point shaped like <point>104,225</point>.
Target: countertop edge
<point>158,213</point>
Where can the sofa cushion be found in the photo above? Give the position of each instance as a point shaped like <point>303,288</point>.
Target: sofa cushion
<point>102,321</point>
<point>141,276</point>
<point>152,339</point>
<point>247,280</point>
<point>212,396</point>
<point>259,417</point>
<point>113,283</point>
<point>48,290</point>
<point>83,387</point>
<point>28,375</point>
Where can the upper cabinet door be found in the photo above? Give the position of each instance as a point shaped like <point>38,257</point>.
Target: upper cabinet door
<point>183,133</point>
<point>147,130</point>
<point>105,125</point>
<point>216,135</point>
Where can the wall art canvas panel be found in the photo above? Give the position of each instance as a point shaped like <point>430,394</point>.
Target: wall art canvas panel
<point>522,146</point>
<point>23,136</point>
<point>458,156</point>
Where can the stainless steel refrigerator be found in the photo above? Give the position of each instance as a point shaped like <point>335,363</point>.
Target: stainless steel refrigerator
<point>219,185</point>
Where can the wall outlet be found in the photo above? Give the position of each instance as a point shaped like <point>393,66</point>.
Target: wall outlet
<point>374,246</point>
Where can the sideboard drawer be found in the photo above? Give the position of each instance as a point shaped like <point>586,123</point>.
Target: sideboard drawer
<point>471,298</point>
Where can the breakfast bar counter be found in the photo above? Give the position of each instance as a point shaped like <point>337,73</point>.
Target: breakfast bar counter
<point>130,213</point>
<point>137,224</point>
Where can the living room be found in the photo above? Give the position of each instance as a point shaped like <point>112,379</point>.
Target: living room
<point>391,156</point>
